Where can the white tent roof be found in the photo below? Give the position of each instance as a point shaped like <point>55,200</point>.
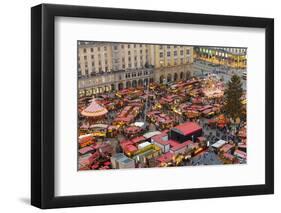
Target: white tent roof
<point>219,144</point>
<point>151,134</point>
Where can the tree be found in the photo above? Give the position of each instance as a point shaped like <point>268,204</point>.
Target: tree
<point>233,93</point>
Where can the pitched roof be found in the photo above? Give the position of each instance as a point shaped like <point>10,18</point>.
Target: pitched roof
<point>187,128</point>
<point>165,157</point>
<point>94,110</point>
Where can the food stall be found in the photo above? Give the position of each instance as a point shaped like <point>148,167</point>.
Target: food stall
<point>222,121</point>
<point>85,140</point>
<point>192,114</point>
<point>161,120</point>
<point>99,130</point>
<point>112,131</point>
<point>84,129</point>
<point>132,131</point>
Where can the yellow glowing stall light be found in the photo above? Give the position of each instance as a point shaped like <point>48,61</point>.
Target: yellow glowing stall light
<point>99,134</point>
<point>198,150</point>
<point>244,102</point>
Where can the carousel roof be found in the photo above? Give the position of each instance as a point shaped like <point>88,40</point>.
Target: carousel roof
<point>94,110</point>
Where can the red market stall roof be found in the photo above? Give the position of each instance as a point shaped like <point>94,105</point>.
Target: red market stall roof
<point>130,148</point>
<point>85,138</point>
<point>173,143</point>
<point>132,129</point>
<point>226,147</point>
<point>165,132</point>
<point>112,127</point>
<point>138,139</point>
<point>124,91</point>
<point>96,146</point>
<point>124,119</point>
<point>228,156</point>
<point>94,110</point>
<point>197,100</point>
<point>192,81</point>
<point>160,138</point>
<point>221,119</point>
<point>240,153</point>
<point>105,148</point>
<point>165,158</point>
<point>136,104</point>
<point>189,142</point>
<point>242,132</point>
<point>153,113</point>
<point>107,163</point>
<point>207,111</point>
<point>85,150</point>
<point>178,147</point>
<point>95,166</point>
<point>242,146</point>
<point>188,128</point>
<point>84,126</point>
<point>125,143</point>
<point>203,108</point>
<point>201,139</point>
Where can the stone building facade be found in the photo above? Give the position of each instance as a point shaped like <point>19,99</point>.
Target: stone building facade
<point>104,67</point>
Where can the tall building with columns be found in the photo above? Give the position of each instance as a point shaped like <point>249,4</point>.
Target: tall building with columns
<point>105,66</point>
<point>172,62</point>
<point>101,57</point>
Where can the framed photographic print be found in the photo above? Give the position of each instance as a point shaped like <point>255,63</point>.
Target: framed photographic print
<point>139,106</point>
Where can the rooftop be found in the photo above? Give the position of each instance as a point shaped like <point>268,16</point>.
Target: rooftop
<point>219,144</point>
<point>187,128</point>
<point>94,110</point>
<point>165,157</point>
<point>227,147</point>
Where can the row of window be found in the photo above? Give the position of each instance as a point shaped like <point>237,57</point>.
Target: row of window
<point>175,62</point>
<point>230,50</point>
<point>93,57</point>
<point>135,74</point>
<point>105,68</point>
<point>106,63</point>
<point>115,61</point>
<point>114,47</point>
<point>105,55</point>
<point>169,46</point>
<point>161,54</point>
<point>128,46</point>
<point>130,65</point>
<point>92,49</point>
<point>93,63</point>
<point>94,71</point>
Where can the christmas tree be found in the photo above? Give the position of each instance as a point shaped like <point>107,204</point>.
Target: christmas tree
<point>233,93</point>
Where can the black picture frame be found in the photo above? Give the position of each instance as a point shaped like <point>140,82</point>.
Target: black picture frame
<point>43,102</point>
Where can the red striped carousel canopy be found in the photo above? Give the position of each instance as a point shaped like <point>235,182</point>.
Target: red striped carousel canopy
<point>94,110</point>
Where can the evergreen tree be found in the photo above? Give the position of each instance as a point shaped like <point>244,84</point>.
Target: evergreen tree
<point>233,93</point>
